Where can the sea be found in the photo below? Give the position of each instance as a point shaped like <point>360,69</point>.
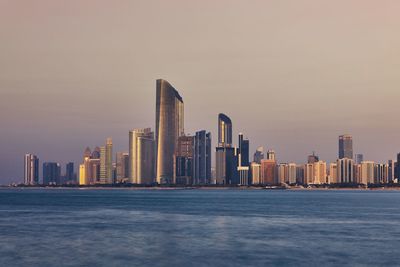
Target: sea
<point>215,227</point>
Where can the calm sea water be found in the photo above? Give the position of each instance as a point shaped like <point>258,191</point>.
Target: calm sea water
<point>198,228</point>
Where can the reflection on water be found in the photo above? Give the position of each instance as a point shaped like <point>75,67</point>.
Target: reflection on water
<point>198,228</point>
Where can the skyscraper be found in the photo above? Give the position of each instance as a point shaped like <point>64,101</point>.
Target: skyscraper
<point>308,173</point>
<point>31,169</point>
<point>391,164</point>
<point>255,173</point>
<point>82,175</point>
<point>244,147</point>
<point>169,126</point>
<point>226,165</point>
<point>333,173</point>
<point>224,131</point>
<point>183,172</point>
<point>122,166</point>
<point>397,168</point>
<point>109,161</point>
<point>259,155</point>
<point>319,172</point>
<point>106,163</point>
<point>312,158</point>
<point>226,156</point>
<point>103,172</point>
<point>381,173</point>
<point>268,171</point>
<point>367,172</point>
<point>271,155</point>
<point>202,158</point>
<point>51,173</point>
<point>141,156</point>
<point>345,170</point>
<point>358,158</point>
<point>69,173</point>
<point>345,146</point>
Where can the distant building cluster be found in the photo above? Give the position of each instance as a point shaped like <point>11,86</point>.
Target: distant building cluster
<point>170,156</point>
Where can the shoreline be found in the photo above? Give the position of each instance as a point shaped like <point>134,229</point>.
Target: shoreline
<point>238,188</point>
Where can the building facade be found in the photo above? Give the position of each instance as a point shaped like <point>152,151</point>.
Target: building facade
<point>169,126</point>
<point>51,173</point>
<point>31,169</point>
<point>202,158</point>
<point>345,146</point>
<point>141,156</point>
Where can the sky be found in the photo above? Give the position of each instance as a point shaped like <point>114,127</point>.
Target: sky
<point>292,75</point>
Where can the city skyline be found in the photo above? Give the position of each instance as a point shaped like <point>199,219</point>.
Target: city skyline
<point>175,158</point>
<point>170,115</point>
<point>285,81</point>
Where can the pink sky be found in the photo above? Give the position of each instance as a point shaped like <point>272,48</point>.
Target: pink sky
<point>292,75</point>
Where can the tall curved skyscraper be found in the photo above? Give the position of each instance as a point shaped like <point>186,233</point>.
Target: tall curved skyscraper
<point>224,131</point>
<point>169,126</point>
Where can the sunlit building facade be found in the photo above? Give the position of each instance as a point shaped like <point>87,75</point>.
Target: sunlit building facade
<point>268,172</point>
<point>345,171</point>
<point>141,156</point>
<point>367,172</point>
<point>169,126</point>
<point>31,169</point>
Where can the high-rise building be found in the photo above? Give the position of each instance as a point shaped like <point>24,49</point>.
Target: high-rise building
<point>183,171</point>
<point>244,148</point>
<point>358,158</point>
<point>367,172</point>
<point>357,173</point>
<point>109,161</point>
<point>93,173</point>
<point>292,173</point>
<point>391,166</point>
<point>87,153</point>
<point>122,166</point>
<point>319,172</point>
<point>345,171</point>
<point>283,173</point>
<point>31,169</point>
<point>89,170</point>
<point>271,155</point>
<point>69,173</point>
<point>142,156</point>
<point>243,175</point>
<point>345,146</point>
<point>243,167</point>
<point>226,156</point>
<point>51,173</point>
<point>202,158</point>
<point>96,153</point>
<point>255,173</point>
<point>103,172</point>
<point>397,168</point>
<point>268,171</point>
<point>224,131</point>
<point>106,163</point>
<point>169,126</point>
<point>82,174</point>
<point>312,158</point>
<point>309,173</point>
<point>259,155</point>
<point>333,173</point>
<point>226,165</point>
<point>381,173</point>
<point>300,174</point>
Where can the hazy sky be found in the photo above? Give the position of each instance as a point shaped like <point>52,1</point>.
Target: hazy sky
<point>292,75</point>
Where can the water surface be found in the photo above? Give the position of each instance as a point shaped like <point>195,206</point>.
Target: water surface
<point>73,227</point>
